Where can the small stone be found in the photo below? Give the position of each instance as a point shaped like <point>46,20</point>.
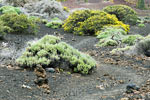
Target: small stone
<point>121,81</point>
<point>101,87</point>
<point>25,86</point>
<point>131,86</point>
<point>124,99</point>
<point>51,70</point>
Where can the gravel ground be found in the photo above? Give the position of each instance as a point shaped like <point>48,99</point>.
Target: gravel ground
<point>113,74</point>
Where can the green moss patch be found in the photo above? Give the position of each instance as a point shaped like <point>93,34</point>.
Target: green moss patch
<point>50,51</point>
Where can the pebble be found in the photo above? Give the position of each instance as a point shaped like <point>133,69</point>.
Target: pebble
<point>51,70</point>
<point>131,87</point>
<point>124,99</point>
<point>101,87</point>
<point>25,86</point>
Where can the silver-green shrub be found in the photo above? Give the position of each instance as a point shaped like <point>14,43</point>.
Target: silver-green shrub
<point>51,52</point>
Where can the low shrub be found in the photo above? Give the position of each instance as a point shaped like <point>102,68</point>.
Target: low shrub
<point>55,23</point>
<point>89,22</point>
<point>110,36</point>
<point>141,25</point>
<point>51,52</point>
<point>77,17</point>
<point>132,39</point>
<point>123,13</point>
<point>143,47</point>
<point>19,23</point>
<point>46,9</point>
<point>17,3</point>
<point>138,45</point>
<point>120,50</point>
<point>3,29</point>
<point>96,23</point>
<point>10,9</point>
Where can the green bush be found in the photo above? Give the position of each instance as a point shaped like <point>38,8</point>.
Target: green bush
<point>88,22</point>
<point>77,17</point>
<point>141,25</point>
<point>132,39</point>
<point>51,52</point>
<point>123,13</point>
<point>110,36</point>
<point>19,23</point>
<point>55,23</point>
<point>10,9</point>
<point>141,4</point>
<point>143,47</point>
<point>3,29</point>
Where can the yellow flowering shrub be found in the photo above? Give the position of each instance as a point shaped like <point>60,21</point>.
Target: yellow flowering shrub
<point>89,22</point>
<point>66,9</point>
<point>74,20</point>
<point>123,13</point>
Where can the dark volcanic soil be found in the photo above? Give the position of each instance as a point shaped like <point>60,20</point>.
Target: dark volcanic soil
<point>113,74</point>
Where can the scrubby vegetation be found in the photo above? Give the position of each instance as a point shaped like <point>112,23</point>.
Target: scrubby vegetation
<point>18,3</point>
<point>143,47</point>
<point>19,23</point>
<point>51,52</point>
<point>89,22</point>
<point>113,36</point>
<point>132,39</point>
<point>3,29</point>
<point>10,9</point>
<point>110,36</point>
<point>46,9</point>
<point>55,23</point>
<point>123,13</point>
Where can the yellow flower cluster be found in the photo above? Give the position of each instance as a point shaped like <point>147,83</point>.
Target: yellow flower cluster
<point>89,22</point>
<point>66,9</point>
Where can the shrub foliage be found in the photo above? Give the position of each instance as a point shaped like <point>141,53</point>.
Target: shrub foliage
<point>10,9</point>
<point>3,29</point>
<point>51,52</point>
<point>19,23</point>
<point>55,23</point>
<point>85,22</point>
<point>123,13</point>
